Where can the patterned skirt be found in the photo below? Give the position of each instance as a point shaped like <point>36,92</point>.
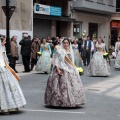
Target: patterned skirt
<point>64,91</point>
<point>99,66</point>
<point>11,96</point>
<point>117,61</point>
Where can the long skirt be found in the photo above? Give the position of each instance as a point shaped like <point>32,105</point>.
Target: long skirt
<point>117,61</point>
<point>44,62</point>
<point>11,96</point>
<point>99,65</point>
<point>64,91</point>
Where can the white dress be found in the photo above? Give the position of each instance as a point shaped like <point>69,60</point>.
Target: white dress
<point>11,96</point>
<point>117,50</point>
<point>99,65</point>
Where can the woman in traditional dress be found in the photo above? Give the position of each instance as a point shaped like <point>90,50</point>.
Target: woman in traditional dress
<point>99,66</point>
<point>64,86</point>
<point>77,56</point>
<point>11,96</point>
<point>117,51</point>
<point>44,62</point>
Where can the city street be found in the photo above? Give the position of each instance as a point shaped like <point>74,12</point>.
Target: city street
<point>102,99</point>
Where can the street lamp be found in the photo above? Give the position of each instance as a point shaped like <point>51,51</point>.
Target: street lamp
<point>8,7</point>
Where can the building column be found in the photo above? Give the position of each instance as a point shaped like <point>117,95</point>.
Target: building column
<point>71,30</point>
<point>53,29</point>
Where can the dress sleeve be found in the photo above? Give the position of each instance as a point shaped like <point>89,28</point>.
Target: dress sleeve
<point>49,49</point>
<point>116,47</point>
<point>92,46</point>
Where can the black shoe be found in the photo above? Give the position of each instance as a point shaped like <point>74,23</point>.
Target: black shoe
<point>84,64</point>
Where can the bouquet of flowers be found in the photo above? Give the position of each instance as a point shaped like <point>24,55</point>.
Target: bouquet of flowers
<point>80,70</point>
<point>106,55</point>
<point>39,53</point>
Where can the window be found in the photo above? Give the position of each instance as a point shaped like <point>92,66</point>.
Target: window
<point>100,1</point>
<point>110,2</point>
<point>118,6</point>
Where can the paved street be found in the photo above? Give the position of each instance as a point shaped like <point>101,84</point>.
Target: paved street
<point>102,94</point>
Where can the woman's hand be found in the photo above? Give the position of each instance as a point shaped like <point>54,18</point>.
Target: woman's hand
<point>59,71</point>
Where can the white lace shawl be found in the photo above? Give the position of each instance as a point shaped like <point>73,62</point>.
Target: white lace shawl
<point>59,61</point>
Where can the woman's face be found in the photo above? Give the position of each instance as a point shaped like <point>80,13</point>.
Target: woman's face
<point>99,40</point>
<point>75,41</point>
<point>44,41</point>
<point>66,44</point>
<point>4,42</point>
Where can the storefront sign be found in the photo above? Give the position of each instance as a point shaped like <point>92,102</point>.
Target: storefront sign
<point>42,9</point>
<point>47,10</point>
<point>55,11</point>
<point>115,24</point>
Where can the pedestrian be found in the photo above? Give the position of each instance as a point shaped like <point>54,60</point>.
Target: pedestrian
<point>99,66</point>
<point>26,52</point>
<point>64,87</point>
<point>44,62</point>
<point>14,53</point>
<point>117,51</point>
<point>88,47</point>
<point>34,49</point>
<point>11,96</point>
<point>77,56</point>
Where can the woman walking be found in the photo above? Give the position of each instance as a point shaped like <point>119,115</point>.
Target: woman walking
<point>64,87</point>
<point>11,96</point>
<point>44,62</point>
<point>99,66</point>
<point>78,59</point>
<point>117,50</point>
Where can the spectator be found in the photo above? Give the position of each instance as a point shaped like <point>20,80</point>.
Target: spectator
<point>26,52</point>
<point>34,48</point>
<point>14,53</point>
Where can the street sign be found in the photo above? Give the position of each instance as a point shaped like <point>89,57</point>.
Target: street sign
<point>11,2</point>
<point>11,7</point>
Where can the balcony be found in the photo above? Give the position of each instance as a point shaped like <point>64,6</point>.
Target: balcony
<point>95,6</point>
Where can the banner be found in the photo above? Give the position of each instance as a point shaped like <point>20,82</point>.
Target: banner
<point>42,9</point>
<point>47,10</point>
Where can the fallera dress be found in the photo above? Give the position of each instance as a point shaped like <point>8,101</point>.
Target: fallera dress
<point>77,56</point>
<point>117,50</point>
<point>66,90</point>
<point>44,62</point>
<point>11,96</point>
<point>99,65</point>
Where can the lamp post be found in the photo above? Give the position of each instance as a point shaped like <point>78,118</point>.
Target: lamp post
<point>8,7</point>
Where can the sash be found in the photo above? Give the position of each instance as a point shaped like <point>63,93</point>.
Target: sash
<point>46,49</point>
<point>12,71</point>
<point>66,58</point>
<point>100,50</point>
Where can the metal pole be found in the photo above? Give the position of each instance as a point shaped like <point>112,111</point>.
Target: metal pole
<point>7,29</point>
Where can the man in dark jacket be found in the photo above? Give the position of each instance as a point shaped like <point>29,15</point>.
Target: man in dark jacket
<point>26,52</point>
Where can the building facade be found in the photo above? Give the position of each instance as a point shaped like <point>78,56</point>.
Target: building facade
<point>90,17</point>
<point>57,23</point>
<point>20,22</point>
<point>93,17</point>
<point>115,24</point>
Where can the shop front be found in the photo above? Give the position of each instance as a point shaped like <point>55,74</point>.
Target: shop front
<point>115,31</point>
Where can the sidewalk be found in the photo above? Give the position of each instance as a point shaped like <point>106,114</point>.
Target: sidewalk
<point>20,69</point>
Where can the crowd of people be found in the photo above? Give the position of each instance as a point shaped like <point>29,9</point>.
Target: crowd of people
<point>60,57</point>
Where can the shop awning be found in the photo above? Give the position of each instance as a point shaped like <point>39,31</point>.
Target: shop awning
<point>55,18</point>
